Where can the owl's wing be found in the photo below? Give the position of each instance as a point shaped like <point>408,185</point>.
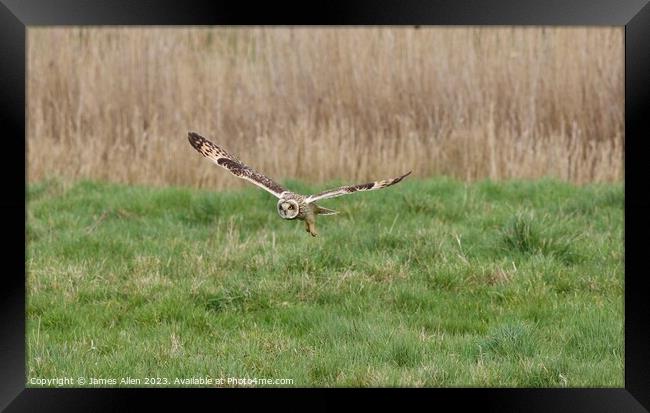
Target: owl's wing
<point>236,167</point>
<point>344,190</point>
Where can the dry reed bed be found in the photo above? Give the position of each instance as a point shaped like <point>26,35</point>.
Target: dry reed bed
<point>326,103</point>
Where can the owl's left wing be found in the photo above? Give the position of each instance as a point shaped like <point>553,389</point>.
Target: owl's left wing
<point>344,190</point>
<point>235,166</point>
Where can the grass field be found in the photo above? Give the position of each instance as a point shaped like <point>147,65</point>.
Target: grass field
<point>429,283</point>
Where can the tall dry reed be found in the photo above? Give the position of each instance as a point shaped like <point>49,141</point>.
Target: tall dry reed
<point>326,103</point>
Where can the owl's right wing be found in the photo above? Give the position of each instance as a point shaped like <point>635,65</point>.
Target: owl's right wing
<point>236,167</point>
<point>350,189</point>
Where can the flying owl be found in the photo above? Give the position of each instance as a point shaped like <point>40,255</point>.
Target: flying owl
<point>290,204</point>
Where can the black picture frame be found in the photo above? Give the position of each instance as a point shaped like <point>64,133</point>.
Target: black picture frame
<point>634,15</point>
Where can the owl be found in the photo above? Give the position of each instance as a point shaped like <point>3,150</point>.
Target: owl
<point>290,205</point>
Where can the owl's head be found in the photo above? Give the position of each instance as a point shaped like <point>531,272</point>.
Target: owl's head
<point>288,208</point>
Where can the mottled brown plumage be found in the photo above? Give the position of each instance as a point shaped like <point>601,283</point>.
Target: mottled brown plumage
<point>290,204</point>
<point>231,163</point>
<point>344,190</point>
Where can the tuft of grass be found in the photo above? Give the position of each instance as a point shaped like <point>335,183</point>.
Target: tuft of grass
<point>508,341</point>
<point>526,234</point>
<point>478,290</point>
<point>520,235</point>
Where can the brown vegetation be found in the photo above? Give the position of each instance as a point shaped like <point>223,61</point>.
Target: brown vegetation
<point>317,104</point>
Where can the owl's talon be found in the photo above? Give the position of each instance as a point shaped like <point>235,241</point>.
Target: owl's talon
<point>311,228</point>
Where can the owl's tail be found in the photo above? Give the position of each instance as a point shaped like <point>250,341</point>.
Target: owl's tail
<point>319,210</point>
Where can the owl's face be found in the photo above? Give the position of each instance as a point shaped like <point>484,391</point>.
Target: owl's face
<point>288,208</point>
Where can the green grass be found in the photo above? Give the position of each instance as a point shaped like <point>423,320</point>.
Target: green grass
<point>428,283</point>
